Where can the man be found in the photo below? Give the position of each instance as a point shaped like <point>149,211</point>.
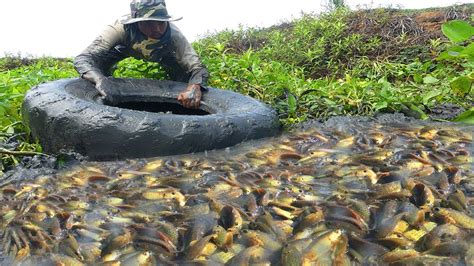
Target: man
<point>147,33</point>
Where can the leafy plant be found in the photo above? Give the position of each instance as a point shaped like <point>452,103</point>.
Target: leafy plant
<point>461,32</point>
<point>458,31</point>
<point>14,138</point>
<point>466,117</point>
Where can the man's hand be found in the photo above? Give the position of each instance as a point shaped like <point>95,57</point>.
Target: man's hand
<point>106,88</point>
<point>97,79</point>
<point>191,97</point>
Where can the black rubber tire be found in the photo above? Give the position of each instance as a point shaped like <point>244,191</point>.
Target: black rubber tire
<point>66,115</point>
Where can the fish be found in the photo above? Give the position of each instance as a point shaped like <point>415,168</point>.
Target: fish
<point>60,259</point>
<point>457,200</point>
<point>258,238</point>
<point>196,248</point>
<point>253,255</point>
<point>230,218</point>
<point>322,250</point>
<point>291,256</point>
<point>398,255</point>
<point>309,220</point>
<point>422,196</point>
<point>139,258</point>
<point>449,249</point>
<point>396,240</point>
<point>441,234</point>
<point>116,241</point>
<point>165,194</point>
<point>455,217</point>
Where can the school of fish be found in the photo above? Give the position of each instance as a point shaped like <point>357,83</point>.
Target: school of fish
<point>377,194</point>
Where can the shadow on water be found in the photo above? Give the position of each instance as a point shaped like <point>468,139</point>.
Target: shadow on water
<point>359,190</point>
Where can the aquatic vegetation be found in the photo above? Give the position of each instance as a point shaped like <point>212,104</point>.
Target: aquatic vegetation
<point>16,77</point>
<point>348,191</point>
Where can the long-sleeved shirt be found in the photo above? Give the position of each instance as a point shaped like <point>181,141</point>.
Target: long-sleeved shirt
<point>119,41</point>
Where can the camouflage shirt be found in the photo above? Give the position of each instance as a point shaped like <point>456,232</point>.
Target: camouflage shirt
<point>119,41</point>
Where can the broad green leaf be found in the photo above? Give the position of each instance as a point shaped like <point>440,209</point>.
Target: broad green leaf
<point>422,115</point>
<point>469,50</point>
<point>444,56</point>
<point>10,130</point>
<point>430,95</point>
<point>452,52</point>
<point>380,105</point>
<point>5,104</point>
<point>461,85</point>
<point>329,102</point>
<point>430,80</point>
<point>291,103</point>
<point>457,30</point>
<point>471,76</point>
<point>418,78</point>
<point>466,117</point>
<point>39,148</point>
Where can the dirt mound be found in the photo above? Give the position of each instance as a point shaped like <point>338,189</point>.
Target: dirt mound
<point>400,29</point>
<point>12,62</point>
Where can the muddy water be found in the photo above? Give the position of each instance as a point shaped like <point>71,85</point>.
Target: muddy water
<point>348,191</point>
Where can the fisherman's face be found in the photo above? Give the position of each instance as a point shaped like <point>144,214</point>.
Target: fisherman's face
<point>153,29</point>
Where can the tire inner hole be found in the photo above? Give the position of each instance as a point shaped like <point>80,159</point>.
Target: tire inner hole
<point>161,107</point>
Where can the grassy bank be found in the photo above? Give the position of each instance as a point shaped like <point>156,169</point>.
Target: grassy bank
<point>341,63</point>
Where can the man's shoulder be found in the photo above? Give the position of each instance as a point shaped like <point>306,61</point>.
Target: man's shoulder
<point>176,34</point>
<point>114,31</point>
<point>174,29</point>
<point>117,26</point>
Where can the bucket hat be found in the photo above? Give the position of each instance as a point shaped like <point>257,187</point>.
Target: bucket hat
<point>142,10</point>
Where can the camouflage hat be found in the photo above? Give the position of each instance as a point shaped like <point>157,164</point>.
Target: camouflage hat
<point>143,10</point>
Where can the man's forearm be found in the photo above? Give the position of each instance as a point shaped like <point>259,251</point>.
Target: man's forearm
<point>93,76</point>
<point>86,63</point>
<point>200,77</point>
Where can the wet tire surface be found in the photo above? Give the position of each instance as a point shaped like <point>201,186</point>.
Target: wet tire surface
<point>68,115</point>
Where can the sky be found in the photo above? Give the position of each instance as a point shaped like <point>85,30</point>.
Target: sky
<point>63,28</point>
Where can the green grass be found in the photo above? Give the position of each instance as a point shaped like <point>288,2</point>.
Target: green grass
<point>312,67</point>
